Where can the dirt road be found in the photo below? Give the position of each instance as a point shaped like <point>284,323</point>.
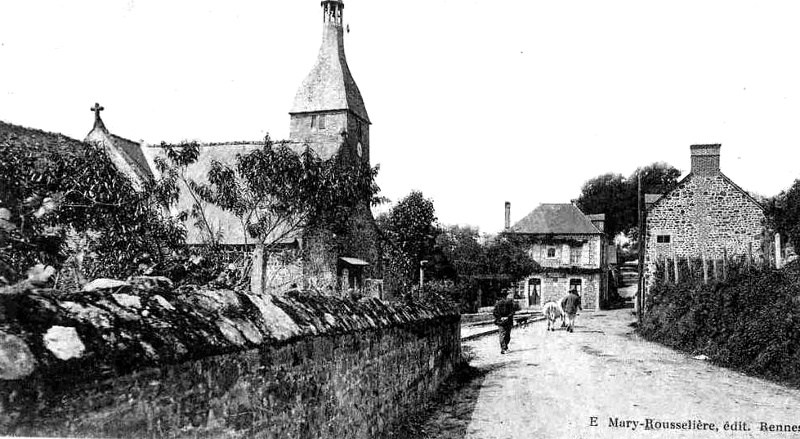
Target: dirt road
<point>602,381</point>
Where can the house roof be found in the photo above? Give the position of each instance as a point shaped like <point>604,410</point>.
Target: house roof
<point>652,198</point>
<point>556,219</point>
<point>354,261</point>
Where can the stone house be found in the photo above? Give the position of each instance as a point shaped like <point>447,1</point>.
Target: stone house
<point>329,116</point>
<point>706,216</point>
<point>571,251</point>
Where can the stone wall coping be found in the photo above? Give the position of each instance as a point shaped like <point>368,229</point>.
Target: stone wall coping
<point>62,337</point>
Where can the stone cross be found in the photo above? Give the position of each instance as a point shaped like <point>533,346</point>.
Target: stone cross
<point>97,109</point>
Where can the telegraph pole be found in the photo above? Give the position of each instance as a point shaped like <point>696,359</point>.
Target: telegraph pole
<point>639,306</point>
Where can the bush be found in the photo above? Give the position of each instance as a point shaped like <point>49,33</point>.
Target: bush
<point>750,322</point>
<point>64,202</point>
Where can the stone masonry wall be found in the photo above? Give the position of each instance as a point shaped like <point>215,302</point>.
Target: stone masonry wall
<point>556,285</point>
<point>590,251</point>
<point>143,360</point>
<point>705,216</point>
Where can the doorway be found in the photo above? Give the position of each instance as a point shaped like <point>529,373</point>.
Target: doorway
<point>534,291</point>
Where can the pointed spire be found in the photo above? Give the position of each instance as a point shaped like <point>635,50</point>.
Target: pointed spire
<point>330,86</point>
<point>98,123</point>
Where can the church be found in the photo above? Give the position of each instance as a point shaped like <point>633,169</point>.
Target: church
<point>329,116</point>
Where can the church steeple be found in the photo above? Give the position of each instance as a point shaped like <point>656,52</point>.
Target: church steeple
<point>330,86</point>
<point>332,10</point>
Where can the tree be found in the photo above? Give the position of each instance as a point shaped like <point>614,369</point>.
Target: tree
<point>64,200</point>
<point>410,234</point>
<point>460,246</point>
<point>612,195</point>
<point>273,191</point>
<point>506,255</point>
<point>657,178</point>
<point>616,196</point>
<point>783,212</point>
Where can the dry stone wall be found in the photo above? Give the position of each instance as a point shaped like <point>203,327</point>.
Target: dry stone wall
<point>140,359</point>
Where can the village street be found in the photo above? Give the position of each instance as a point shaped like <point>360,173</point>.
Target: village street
<point>590,383</point>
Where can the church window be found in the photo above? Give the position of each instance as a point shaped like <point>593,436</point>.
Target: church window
<point>663,239</point>
<point>322,121</point>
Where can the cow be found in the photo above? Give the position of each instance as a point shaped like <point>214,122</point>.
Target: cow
<point>552,311</point>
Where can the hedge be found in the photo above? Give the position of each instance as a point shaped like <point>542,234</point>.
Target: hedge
<point>749,322</point>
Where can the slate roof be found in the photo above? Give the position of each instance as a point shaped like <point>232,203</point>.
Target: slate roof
<point>126,155</point>
<point>232,231</point>
<point>556,219</point>
<point>330,86</point>
<point>133,150</point>
<point>651,198</point>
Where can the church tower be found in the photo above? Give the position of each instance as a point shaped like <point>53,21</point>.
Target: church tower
<point>328,112</point>
<point>329,116</point>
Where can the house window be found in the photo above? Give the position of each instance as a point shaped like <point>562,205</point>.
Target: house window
<point>551,252</point>
<point>322,121</point>
<point>576,284</point>
<point>313,121</point>
<point>663,239</point>
<point>575,255</point>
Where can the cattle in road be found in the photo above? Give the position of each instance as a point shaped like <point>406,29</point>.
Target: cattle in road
<point>552,311</point>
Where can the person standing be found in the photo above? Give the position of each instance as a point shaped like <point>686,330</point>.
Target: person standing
<point>571,305</point>
<point>504,319</point>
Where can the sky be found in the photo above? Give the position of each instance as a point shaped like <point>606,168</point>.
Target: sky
<point>472,102</point>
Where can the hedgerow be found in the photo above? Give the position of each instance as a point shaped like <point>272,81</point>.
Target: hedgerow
<point>749,321</point>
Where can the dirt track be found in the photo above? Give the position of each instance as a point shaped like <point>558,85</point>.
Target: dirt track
<point>557,385</point>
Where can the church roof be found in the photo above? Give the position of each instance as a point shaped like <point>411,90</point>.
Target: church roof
<point>556,219</point>
<point>133,151</point>
<point>126,155</point>
<point>330,86</point>
<point>223,223</point>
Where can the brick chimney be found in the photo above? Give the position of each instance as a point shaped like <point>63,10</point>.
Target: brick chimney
<point>508,215</point>
<point>705,159</point>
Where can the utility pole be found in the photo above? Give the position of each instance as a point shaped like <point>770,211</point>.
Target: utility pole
<point>422,264</point>
<point>639,306</point>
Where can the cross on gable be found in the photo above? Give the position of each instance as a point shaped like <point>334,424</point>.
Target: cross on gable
<point>97,109</point>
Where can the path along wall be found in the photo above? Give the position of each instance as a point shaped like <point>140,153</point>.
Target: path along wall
<point>143,360</point>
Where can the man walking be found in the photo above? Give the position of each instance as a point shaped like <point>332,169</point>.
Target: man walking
<point>571,305</point>
<point>504,319</point>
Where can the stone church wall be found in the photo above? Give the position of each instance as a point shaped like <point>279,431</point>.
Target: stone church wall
<point>706,216</point>
<point>327,141</point>
<point>143,360</point>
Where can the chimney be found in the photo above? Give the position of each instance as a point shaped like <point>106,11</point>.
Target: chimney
<point>508,215</point>
<point>705,159</point>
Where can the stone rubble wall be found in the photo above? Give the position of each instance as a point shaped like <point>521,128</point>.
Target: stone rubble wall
<point>555,286</point>
<point>140,359</point>
<point>706,216</point>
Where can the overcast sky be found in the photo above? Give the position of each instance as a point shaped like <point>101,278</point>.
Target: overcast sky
<point>473,102</point>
